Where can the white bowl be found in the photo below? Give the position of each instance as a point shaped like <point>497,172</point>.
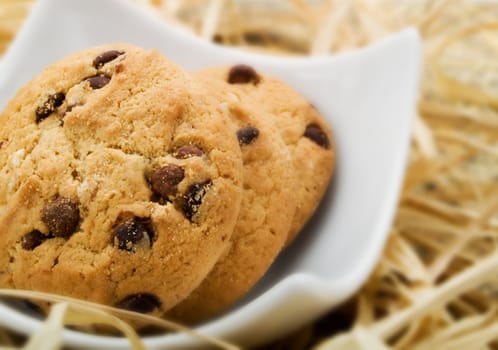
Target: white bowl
<point>369,98</point>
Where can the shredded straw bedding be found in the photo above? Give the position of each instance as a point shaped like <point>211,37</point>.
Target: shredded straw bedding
<point>436,285</point>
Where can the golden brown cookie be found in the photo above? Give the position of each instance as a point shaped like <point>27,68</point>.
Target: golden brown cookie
<point>120,181</point>
<point>304,131</point>
<point>263,222</point>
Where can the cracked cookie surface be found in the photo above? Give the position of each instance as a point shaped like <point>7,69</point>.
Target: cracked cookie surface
<point>120,181</point>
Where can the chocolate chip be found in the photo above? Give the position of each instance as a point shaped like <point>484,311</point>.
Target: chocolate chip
<point>192,199</point>
<point>141,302</point>
<point>98,81</point>
<point>243,74</point>
<point>131,232</point>
<point>188,151</point>
<point>106,57</point>
<point>316,134</point>
<point>164,181</point>
<point>61,216</point>
<point>247,135</point>
<point>32,240</point>
<point>50,105</point>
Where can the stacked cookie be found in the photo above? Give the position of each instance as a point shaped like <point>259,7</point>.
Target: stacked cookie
<point>126,181</point>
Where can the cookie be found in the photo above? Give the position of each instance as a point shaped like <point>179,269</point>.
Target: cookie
<point>304,131</point>
<point>263,222</point>
<point>120,181</point>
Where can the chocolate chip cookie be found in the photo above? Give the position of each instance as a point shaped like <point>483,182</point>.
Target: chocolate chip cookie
<point>263,222</point>
<point>303,129</point>
<point>120,181</point>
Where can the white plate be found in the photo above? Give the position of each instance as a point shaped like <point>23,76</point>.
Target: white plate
<point>369,98</point>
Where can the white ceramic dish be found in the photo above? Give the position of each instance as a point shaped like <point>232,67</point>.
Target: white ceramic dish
<point>369,98</point>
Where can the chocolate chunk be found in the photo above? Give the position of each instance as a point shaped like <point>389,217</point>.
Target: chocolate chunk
<point>50,105</point>
<point>141,302</point>
<point>131,232</point>
<point>164,181</point>
<point>316,134</point>
<point>192,199</point>
<point>32,240</point>
<point>61,216</point>
<point>106,57</point>
<point>247,135</point>
<point>98,81</point>
<point>188,151</point>
<point>243,74</point>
